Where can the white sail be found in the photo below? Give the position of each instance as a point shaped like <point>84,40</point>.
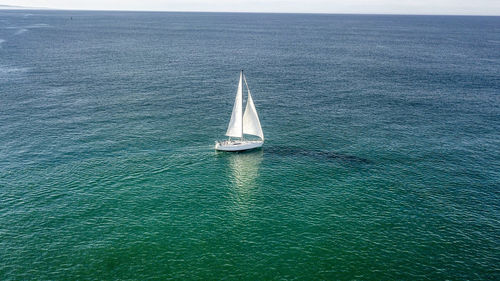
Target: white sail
<point>235,128</point>
<point>251,123</point>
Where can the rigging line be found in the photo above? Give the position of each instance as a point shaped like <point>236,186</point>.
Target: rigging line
<point>248,89</point>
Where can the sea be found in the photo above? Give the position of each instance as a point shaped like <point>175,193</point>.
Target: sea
<point>381,158</point>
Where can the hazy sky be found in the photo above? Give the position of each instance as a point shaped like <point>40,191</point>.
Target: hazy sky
<point>461,7</point>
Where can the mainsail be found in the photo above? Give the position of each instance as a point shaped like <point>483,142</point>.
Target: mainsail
<point>235,128</point>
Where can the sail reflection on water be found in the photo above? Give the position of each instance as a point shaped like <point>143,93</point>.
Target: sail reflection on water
<point>244,169</point>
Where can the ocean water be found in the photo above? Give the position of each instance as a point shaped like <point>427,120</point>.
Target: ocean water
<point>381,160</point>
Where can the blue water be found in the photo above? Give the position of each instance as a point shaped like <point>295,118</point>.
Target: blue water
<point>381,160</point>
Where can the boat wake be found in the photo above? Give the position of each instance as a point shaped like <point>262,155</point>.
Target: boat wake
<point>318,154</point>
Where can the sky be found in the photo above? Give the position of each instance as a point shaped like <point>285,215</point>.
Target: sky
<point>424,7</point>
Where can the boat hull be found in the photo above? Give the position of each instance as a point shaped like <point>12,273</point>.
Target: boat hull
<point>237,145</point>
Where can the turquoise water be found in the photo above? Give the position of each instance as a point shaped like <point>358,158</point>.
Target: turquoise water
<point>381,161</point>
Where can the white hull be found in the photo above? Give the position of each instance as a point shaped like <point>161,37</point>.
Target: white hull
<point>237,145</point>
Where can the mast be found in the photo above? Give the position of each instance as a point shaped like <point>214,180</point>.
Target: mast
<point>242,77</point>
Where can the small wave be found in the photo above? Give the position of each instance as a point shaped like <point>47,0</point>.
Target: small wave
<point>20,31</point>
<point>39,25</point>
<point>1,41</point>
<point>8,69</point>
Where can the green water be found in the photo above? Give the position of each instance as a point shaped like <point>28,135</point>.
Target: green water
<point>381,159</point>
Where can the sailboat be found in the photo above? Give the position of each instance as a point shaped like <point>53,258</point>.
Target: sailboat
<point>242,124</point>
